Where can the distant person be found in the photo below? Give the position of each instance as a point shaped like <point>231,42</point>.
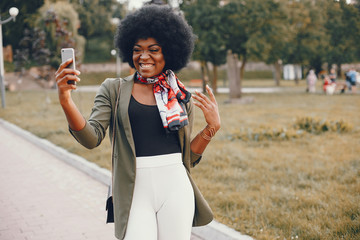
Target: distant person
<point>329,86</point>
<point>311,80</point>
<point>322,74</point>
<point>351,76</point>
<point>154,196</point>
<point>332,75</point>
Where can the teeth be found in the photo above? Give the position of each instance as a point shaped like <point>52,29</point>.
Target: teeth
<point>143,65</point>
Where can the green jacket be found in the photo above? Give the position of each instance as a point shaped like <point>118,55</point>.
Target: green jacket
<point>124,169</point>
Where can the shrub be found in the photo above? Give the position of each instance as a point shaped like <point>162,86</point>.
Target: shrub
<point>266,134</point>
<point>297,130</point>
<point>317,126</point>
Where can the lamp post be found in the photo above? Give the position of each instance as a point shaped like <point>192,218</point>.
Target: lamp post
<point>118,64</point>
<point>13,13</point>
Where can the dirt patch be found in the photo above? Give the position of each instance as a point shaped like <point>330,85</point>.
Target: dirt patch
<point>27,81</point>
<point>17,82</point>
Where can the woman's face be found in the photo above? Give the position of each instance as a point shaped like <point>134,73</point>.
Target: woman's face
<point>148,58</point>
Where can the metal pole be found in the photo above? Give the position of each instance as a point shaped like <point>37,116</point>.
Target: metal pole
<point>2,83</point>
<point>13,13</point>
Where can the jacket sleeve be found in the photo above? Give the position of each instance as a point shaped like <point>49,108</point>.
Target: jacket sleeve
<point>194,157</point>
<point>95,128</point>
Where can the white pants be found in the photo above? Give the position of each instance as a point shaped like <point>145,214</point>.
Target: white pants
<point>163,203</point>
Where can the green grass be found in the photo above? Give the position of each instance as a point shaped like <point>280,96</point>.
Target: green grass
<point>308,186</point>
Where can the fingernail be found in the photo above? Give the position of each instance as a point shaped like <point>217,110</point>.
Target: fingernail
<point>78,72</point>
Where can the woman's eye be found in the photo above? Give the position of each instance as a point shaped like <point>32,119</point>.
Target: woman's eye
<point>136,50</point>
<point>155,50</point>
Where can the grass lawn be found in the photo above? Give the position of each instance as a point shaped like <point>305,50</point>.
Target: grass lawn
<point>265,174</point>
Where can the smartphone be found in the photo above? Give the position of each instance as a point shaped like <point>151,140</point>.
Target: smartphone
<point>67,53</point>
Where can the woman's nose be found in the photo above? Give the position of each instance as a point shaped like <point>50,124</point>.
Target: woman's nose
<point>144,55</point>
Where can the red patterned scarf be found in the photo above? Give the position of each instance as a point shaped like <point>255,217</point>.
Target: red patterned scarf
<point>171,96</point>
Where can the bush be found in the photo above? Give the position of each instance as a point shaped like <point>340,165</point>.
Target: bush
<point>266,134</point>
<point>317,126</point>
<point>299,128</point>
<point>8,66</point>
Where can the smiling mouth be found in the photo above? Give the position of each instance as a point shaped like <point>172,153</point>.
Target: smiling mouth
<point>146,65</point>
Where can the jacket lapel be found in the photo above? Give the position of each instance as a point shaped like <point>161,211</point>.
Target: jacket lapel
<point>125,94</point>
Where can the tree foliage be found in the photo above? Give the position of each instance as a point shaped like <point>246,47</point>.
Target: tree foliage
<point>13,31</point>
<point>96,26</point>
<point>343,29</point>
<point>60,21</point>
<point>206,17</point>
<point>305,32</point>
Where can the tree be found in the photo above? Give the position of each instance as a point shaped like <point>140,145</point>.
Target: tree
<point>270,33</point>
<point>96,26</point>
<point>60,22</point>
<point>205,17</point>
<point>343,27</point>
<point>15,30</point>
<point>235,35</point>
<point>310,40</point>
<point>33,46</point>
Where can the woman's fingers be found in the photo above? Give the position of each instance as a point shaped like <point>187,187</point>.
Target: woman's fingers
<point>209,107</point>
<point>66,76</point>
<point>204,100</point>
<point>66,79</point>
<point>64,72</point>
<point>211,94</point>
<point>63,65</point>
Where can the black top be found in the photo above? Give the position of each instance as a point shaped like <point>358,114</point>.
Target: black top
<point>150,136</point>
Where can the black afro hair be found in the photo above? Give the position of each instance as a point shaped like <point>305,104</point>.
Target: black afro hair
<point>163,24</point>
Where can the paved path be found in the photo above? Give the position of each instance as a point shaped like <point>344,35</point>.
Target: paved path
<point>43,197</point>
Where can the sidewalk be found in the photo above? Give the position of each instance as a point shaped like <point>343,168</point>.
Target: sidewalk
<point>42,196</point>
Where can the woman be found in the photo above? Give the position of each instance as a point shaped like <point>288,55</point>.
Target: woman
<point>154,195</point>
<point>311,81</point>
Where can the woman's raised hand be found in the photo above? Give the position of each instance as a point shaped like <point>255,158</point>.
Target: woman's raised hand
<point>62,76</point>
<point>209,107</point>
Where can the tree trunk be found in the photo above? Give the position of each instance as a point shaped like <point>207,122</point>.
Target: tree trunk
<point>204,75</point>
<point>208,77</point>
<point>277,75</point>
<point>233,75</point>
<point>339,73</point>
<point>242,69</point>
<point>214,80</point>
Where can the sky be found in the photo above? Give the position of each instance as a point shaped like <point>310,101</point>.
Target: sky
<point>134,3</point>
<point>138,3</point>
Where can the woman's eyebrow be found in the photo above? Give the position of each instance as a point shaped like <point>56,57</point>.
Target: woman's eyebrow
<point>153,45</point>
